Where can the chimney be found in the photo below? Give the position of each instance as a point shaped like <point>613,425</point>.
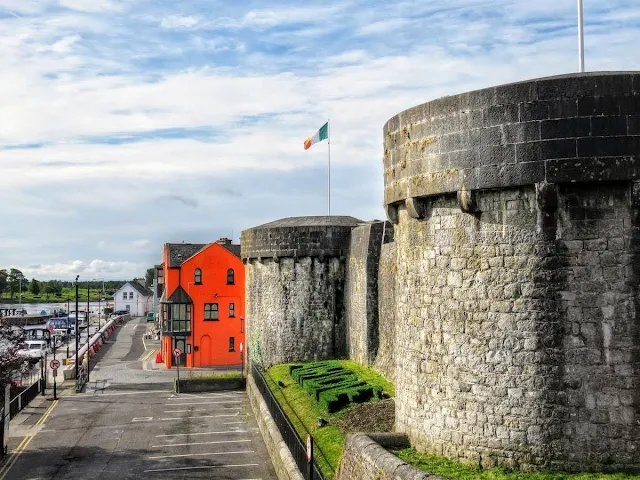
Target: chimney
<point>224,241</point>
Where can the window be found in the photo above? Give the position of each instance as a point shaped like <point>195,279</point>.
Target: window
<point>232,344</point>
<point>130,295</point>
<point>124,296</point>
<point>232,310</point>
<point>197,276</point>
<point>241,325</point>
<point>211,311</point>
<point>231,277</point>
<point>180,317</point>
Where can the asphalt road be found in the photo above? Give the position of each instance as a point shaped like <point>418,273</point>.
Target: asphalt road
<point>130,425</point>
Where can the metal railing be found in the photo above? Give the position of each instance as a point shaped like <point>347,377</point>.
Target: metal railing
<point>23,398</point>
<point>296,445</point>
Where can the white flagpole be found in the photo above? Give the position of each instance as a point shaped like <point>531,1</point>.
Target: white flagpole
<point>329,171</point>
<point>580,37</point>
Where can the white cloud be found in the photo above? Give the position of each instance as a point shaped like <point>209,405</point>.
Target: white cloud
<point>86,270</point>
<point>134,103</point>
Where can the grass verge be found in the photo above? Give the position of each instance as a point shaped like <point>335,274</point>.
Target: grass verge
<point>211,376</point>
<point>459,471</point>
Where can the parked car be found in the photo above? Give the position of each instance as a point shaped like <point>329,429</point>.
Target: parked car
<point>33,350</point>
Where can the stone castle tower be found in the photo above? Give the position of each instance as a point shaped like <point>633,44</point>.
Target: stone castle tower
<point>508,291</point>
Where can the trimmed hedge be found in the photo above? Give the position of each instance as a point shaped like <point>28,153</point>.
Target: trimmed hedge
<point>331,385</point>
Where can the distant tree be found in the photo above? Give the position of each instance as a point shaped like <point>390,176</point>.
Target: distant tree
<point>15,280</point>
<point>3,280</point>
<point>48,288</point>
<point>56,287</point>
<point>35,287</point>
<point>11,338</point>
<point>148,279</point>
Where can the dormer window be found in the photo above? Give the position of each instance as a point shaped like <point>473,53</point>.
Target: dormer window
<point>231,279</point>
<point>197,276</point>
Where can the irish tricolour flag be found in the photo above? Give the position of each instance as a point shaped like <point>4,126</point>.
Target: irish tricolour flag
<point>320,135</point>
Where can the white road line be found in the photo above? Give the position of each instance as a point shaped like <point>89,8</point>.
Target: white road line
<point>198,454</point>
<point>141,392</point>
<point>200,416</point>
<point>199,433</point>
<point>189,396</point>
<point>184,411</point>
<point>202,467</point>
<point>198,443</point>
<point>201,403</point>
<point>233,423</point>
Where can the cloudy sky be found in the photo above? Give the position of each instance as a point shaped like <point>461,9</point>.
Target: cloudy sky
<point>125,124</point>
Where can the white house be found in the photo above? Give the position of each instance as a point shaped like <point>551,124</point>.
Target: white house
<point>133,297</point>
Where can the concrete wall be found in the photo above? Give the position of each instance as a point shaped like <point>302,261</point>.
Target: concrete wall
<point>517,285</point>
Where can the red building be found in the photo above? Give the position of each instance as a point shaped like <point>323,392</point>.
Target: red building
<point>202,306</point>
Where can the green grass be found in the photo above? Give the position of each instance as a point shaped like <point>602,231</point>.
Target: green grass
<point>371,377</point>
<point>68,292</point>
<point>459,471</point>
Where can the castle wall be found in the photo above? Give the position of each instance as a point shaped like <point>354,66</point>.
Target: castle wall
<point>295,281</point>
<point>361,292</point>
<point>385,361</point>
<point>292,312</point>
<point>516,212</point>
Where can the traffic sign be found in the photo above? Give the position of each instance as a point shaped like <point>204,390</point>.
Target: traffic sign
<point>55,364</point>
<point>177,352</point>
<point>309,448</point>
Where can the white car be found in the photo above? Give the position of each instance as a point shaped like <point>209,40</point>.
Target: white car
<point>34,349</point>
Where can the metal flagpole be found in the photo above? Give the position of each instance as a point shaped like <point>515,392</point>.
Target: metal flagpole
<point>329,172</point>
<point>580,37</point>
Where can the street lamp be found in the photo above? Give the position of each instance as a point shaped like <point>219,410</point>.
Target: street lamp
<point>76,328</point>
<point>68,331</point>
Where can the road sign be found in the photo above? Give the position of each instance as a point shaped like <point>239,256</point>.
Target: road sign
<point>55,364</point>
<point>177,352</point>
<point>309,448</point>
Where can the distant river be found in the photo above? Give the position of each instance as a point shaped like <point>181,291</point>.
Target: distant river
<point>50,307</point>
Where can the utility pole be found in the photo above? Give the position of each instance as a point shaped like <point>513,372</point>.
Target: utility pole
<point>76,328</point>
<point>580,37</point>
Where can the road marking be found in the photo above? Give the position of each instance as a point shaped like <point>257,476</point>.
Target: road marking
<point>147,355</point>
<point>185,411</point>
<point>190,396</point>
<point>25,443</point>
<point>201,467</point>
<point>198,454</point>
<point>201,416</point>
<point>198,443</point>
<point>233,423</point>
<point>200,403</point>
<point>142,419</point>
<point>199,433</point>
<point>141,392</point>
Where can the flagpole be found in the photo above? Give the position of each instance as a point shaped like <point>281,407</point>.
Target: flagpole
<point>329,170</point>
<point>580,37</point>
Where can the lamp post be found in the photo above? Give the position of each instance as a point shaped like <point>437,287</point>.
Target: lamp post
<point>76,328</point>
<point>88,335</point>
<point>68,331</point>
<point>580,37</point>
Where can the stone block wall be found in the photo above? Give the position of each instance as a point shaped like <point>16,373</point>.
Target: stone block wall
<point>517,333</point>
<point>295,280</point>
<point>385,361</point>
<point>361,291</point>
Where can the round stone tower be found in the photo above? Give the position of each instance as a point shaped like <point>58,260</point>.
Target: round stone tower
<point>295,272</point>
<point>517,215</point>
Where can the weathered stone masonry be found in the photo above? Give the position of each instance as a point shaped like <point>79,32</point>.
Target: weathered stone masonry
<point>295,272</point>
<point>518,266</point>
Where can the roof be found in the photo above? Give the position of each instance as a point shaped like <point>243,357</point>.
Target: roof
<point>179,296</point>
<point>317,221</point>
<point>235,249</point>
<point>141,289</point>
<point>179,252</point>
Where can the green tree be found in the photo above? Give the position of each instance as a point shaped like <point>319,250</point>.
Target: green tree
<point>3,280</point>
<point>34,287</point>
<point>148,279</point>
<point>48,288</point>
<point>15,279</point>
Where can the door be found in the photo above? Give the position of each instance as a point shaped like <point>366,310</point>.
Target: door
<point>182,345</point>
<point>206,355</point>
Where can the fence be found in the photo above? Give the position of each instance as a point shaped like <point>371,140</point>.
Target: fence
<point>293,441</point>
<point>24,397</point>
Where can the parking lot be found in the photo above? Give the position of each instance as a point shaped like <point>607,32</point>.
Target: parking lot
<point>129,424</point>
<point>147,434</point>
